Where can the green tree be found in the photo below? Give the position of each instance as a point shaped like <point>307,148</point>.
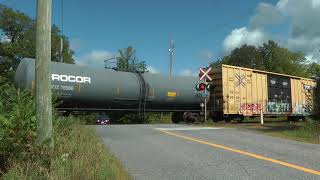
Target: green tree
<point>281,60</point>
<point>127,60</point>
<point>245,56</point>
<point>17,41</point>
<point>270,57</point>
<point>314,70</point>
<point>55,46</point>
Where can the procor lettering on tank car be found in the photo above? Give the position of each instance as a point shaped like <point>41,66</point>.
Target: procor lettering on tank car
<point>91,89</point>
<point>70,78</point>
<point>240,92</point>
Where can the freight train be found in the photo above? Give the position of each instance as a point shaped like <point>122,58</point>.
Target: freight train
<point>236,92</point>
<point>91,89</point>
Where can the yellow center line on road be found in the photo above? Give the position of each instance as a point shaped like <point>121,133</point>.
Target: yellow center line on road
<point>311,171</point>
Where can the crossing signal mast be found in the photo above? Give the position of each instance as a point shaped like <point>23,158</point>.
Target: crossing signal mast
<point>205,87</point>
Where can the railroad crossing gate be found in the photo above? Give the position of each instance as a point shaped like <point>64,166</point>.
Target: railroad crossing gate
<point>205,74</point>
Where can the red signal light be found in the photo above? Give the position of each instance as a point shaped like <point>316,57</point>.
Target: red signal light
<point>201,87</point>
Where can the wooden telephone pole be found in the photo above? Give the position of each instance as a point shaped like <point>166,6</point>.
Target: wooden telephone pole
<point>43,71</point>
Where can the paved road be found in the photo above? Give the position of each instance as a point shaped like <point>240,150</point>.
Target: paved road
<point>184,152</point>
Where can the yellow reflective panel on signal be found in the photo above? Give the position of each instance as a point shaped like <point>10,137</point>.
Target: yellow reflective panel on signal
<point>172,94</point>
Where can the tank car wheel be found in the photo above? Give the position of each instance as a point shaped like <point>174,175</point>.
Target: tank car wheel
<point>66,113</point>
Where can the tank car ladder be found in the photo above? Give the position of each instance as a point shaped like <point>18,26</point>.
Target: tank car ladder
<point>143,92</point>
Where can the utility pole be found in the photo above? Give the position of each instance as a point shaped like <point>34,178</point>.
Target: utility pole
<point>43,71</point>
<point>171,49</point>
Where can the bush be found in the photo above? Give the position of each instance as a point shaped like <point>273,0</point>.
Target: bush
<point>77,152</point>
<point>134,118</point>
<point>17,124</point>
<point>311,129</point>
<point>158,118</point>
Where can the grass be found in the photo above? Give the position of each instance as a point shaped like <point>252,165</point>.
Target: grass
<point>306,131</point>
<point>77,154</point>
<point>158,118</point>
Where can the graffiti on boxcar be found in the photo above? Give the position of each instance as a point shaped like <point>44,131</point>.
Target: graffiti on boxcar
<point>249,108</point>
<point>309,92</point>
<point>307,108</point>
<point>240,80</point>
<point>299,109</point>
<point>278,107</point>
<point>303,109</point>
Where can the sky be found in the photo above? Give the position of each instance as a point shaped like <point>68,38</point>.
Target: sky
<point>202,30</point>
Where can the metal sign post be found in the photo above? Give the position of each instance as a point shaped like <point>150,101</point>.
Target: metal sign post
<point>261,117</point>
<point>204,75</point>
<point>205,102</point>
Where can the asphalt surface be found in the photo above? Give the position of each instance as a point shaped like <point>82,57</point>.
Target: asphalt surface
<point>150,153</point>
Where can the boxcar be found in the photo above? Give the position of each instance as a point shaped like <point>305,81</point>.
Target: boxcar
<point>243,92</point>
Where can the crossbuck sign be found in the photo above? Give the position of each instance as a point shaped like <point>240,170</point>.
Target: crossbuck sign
<point>204,74</point>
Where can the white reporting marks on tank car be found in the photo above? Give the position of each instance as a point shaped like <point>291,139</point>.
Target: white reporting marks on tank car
<point>70,78</point>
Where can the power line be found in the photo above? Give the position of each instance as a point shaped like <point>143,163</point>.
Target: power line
<point>62,16</point>
<point>61,39</point>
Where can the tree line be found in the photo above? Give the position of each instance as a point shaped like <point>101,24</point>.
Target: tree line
<point>17,41</point>
<point>271,57</point>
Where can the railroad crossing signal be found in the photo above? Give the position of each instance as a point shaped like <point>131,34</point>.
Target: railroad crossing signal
<point>209,87</point>
<point>203,86</point>
<point>204,94</point>
<point>204,74</point>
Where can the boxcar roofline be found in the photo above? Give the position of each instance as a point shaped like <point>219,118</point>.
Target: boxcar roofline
<point>268,72</point>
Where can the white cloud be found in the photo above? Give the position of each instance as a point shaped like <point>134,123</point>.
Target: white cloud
<point>302,16</point>
<point>305,29</point>
<point>266,14</point>
<point>188,72</point>
<point>153,70</point>
<point>242,36</point>
<point>94,58</point>
<point>315,3</point>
